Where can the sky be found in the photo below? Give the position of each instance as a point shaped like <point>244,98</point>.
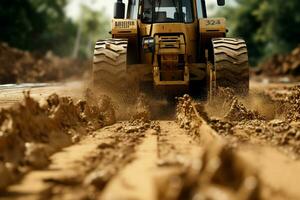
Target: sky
<point>73,9</point>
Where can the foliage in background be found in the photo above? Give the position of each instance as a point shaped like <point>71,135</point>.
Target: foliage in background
<point>93,25</point>
<point>268,26</point>
<point>42,25</point>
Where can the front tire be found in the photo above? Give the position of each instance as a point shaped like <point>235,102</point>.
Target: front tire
<point>230,61</point>
<point>109,65</point>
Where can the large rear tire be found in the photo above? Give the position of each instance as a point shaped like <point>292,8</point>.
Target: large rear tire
<point>109,66</point>
<point>230,62</point>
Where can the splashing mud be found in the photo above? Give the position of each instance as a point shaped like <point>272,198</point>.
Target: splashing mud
<point>220,173</point>
<point>36,130</point>
<point>276,122</point>
<point>227,106</point>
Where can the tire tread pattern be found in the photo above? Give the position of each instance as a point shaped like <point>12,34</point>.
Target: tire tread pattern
<point>109,64</point>
<point>231,63</point>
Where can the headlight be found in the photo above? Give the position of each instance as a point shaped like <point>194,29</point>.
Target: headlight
<point>148,44</point>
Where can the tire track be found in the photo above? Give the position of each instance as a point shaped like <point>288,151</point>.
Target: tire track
<point>159,157</point>
<point>80,170</point>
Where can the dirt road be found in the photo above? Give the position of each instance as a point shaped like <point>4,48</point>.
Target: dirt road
<point>12,93</point>
<point>184,157</point>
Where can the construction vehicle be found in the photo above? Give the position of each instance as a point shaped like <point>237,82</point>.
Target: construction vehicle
<point>170,47</point>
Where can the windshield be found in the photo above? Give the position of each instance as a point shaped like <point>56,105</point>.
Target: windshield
<point>167,11</point>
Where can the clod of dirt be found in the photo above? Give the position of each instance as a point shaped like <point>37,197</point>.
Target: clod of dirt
<point>37,155</point>
<point>221,126</point>
<point>238,112</point>
<point>106,145</point>
<point>99,178</point>
<point>154,125</point>
<point>75,138</point>
<point>7,177</point>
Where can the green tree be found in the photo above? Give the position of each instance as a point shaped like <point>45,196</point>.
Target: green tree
<point>38,25</point>
<point>42,25</point>
<point>268,26</point>
<point>59,31</point>
<point>20,21</point>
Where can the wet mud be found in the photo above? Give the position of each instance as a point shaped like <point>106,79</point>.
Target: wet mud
<point>219,172</point>
<point>31,131</point>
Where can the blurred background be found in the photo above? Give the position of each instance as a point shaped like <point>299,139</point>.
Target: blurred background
<point>69,28</point>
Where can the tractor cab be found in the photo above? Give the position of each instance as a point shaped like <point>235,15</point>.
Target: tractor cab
<point>158,11</point>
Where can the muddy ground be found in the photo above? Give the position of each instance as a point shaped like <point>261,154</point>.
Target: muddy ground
<point>18,66</point>
<point>62,141</point>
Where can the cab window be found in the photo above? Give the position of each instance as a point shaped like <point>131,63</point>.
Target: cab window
<point>132,12</point>
<point>160,11</point>
<point>199,9</point>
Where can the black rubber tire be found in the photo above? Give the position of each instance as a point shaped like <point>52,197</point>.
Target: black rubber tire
<point>109,65</point>
<point>230,59</point>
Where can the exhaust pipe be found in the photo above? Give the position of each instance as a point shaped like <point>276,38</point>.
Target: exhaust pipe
<point>221,2</point>
<point>119,10</point>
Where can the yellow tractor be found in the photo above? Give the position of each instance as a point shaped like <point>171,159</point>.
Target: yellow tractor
<point>169,47</point>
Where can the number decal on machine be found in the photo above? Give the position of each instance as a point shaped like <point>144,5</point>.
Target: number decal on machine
<point>212,22</point>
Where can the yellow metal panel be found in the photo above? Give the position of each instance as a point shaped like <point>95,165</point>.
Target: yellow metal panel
<point>124,26</point>
<point>190,31</point>
<point>212,24</point>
